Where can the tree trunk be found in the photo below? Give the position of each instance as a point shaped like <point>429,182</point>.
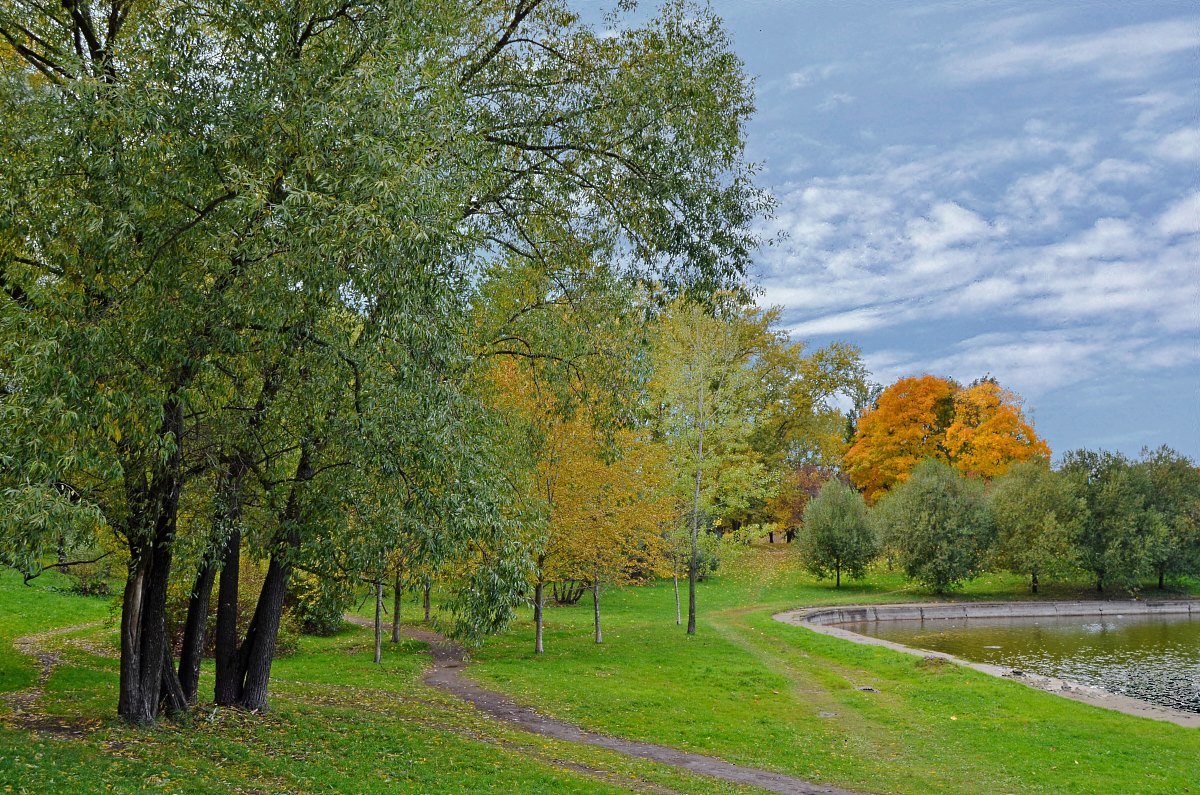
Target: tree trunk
<point>397,592</point>
<point>1033,585</point>
<point>258,649</point>
<point>228,689</point>
<point>837,573</point>
<point>675,576</point>
<point>145,654</point>
<point>770,536</point>
<point>195,629</point>
<point>694,564</point>
<point>378,620</point>
<point>428,586</point>
<point>596,609</point>
<point>1161,579</point>
<point>537,616</point>
<point>1099,585</point>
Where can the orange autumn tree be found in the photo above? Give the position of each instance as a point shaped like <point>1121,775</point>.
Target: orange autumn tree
<point>907,425</point>
<point>602,496</point>
<point>990,432</point>
<point>980,430</point>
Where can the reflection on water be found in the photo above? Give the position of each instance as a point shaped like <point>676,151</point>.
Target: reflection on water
<point>1155,658</point>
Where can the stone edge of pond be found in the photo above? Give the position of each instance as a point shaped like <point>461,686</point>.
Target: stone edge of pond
<point>825,619</point>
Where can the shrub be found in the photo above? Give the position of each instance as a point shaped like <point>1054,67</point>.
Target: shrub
<point>837,535</point>
<point>938,526</point>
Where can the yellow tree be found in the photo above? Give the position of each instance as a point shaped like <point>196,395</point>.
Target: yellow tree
<point>990,432</point>
<point>610,503</point>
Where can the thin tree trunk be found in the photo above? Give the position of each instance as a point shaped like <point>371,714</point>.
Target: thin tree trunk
<point>770,536</point>
<point>837,583</point>
<point>675,577</point>
<point>1161,579</point>
<point>228,688</point>
<point>195,629</point>
<point>428,585</point>
<point>537,616</point>
<point>596,608</point>
<point>378,620</point>
<point>694,564</point>
<point>397,592</point>
<point>1034,584</point>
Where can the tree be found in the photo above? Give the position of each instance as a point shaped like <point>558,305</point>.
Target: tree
<point>1113,539</point>
<point>837,534</point>
<point>906,426</point>
<point>938,525</point>
<point>1036,514</point>
<point>706,388</point>
<point>240,248</point>
<point>1174,497</point>
<point>980,430</point>
<point>989,432</point>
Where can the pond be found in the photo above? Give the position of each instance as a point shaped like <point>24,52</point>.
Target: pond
<point>1155,658</point>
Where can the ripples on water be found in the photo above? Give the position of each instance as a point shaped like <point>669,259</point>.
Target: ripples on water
<point>1154,658</point>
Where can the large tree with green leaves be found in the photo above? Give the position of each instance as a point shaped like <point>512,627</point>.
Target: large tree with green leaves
<point>239,248</point>
<point>1037,514</point>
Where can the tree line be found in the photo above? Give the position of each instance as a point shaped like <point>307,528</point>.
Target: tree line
<point>1098,515</point>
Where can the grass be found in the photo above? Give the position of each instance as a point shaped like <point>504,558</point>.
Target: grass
<point>338,724</point>
<point>747,688</point>
<point>758,692</point>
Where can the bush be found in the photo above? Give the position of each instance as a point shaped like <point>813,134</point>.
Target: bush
<point>318,605</point>
<point>938,526</point>
<point>837,535</point>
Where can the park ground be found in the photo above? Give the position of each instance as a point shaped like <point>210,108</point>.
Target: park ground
<point>746,688</point>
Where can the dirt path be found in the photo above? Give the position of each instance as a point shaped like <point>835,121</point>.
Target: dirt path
<point>446,674</point>
<point>23,703</point>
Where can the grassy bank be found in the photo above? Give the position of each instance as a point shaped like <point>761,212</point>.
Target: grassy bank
<point>338,724</point>
<point>758,692</point>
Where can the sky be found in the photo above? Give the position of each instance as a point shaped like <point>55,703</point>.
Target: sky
<point>985,187</point>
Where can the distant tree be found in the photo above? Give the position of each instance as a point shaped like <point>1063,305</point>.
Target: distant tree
<point>837,535</point>
<point>938,525</point>
<point>990,432</point>
<point>1113,541</point>
<point>1036,513</point>
<point>707,388</point>
<point>906,426</point>
<point>1174,498</point>
<point>980,430</point>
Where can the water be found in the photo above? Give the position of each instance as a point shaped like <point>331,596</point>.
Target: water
<point>1155,658</point>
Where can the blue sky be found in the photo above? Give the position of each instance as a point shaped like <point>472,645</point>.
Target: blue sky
<point>991,187</point>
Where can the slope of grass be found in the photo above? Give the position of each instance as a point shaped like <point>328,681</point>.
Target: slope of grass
<point>338,724</point>
<point>758,692</point>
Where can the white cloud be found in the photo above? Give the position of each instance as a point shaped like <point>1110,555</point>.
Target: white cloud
<point>1182,217</point>
<point>809,75</point>
<point>1182,144</point>
<point>947,224</point>
<point>1124,53</point>
<point>835,101</point>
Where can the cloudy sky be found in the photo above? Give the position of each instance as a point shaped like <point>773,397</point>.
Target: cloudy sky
<point>979,186</point>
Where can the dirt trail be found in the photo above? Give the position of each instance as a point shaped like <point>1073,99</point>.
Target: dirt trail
<point>23,703</point>
<point>446,674</point>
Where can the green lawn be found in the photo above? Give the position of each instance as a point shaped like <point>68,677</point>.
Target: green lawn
<point>758,692</point>
<point>338,724</point>
<point>746,688</point>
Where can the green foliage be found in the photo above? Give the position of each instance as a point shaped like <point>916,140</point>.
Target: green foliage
<point>1037,514</point>
<point>1113,541</point>
<point>837,534</point>
<point>1174,496</point>
<point>318,604</point>
<point>938,526</point>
